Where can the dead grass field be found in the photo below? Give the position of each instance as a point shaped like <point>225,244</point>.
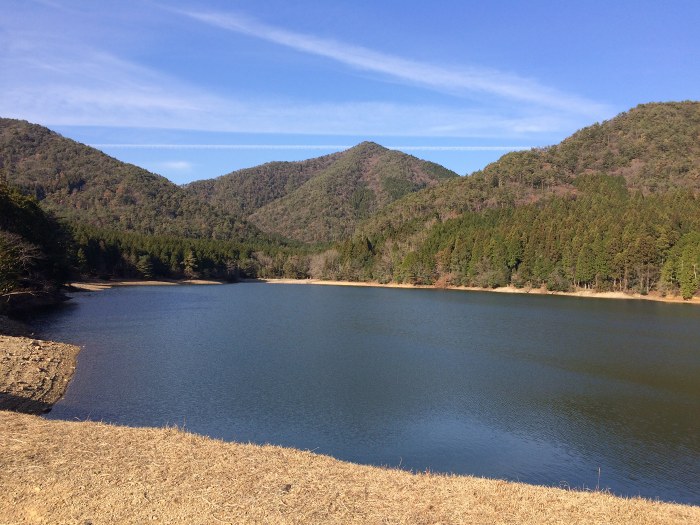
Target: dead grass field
<point>79,472</point>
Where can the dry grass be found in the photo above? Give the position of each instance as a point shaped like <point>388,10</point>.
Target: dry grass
<point>69,472</point>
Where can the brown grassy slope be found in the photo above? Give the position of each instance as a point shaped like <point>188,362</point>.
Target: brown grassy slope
<point>68,472</point>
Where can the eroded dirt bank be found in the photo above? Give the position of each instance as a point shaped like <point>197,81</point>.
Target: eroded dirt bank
<point>34,374</point>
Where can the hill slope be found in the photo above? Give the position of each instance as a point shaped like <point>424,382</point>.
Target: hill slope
<point>322,199</point>
<point>655,147</point>
<point>247,190</point>
<point>33,248</point>
<point>78,182</point>
<point>615,206</point>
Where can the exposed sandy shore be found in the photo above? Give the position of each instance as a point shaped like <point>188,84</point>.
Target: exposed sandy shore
<point>69,472</point>
<point>504,289</point>
<point>104,285</point>
<point>34,374</point>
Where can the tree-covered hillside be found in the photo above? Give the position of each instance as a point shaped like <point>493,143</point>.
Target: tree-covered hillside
<point>34,251</point>
<point>322,199</point>
<point>615,206</point>
<point>655,147</point>
<point>359,183</point>
<point>247,190</point>
<point>318,200</point>
<point>82,184</point>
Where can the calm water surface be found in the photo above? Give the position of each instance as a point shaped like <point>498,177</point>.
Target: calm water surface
<point>540,389</point>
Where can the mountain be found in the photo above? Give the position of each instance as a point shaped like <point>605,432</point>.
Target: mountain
<point>244,191</point>
<point>654,147</point>
<point>80,183</point>
<point>613,207</point>
<point>616,206</point>
<point>323,199</point>
<point>317,200</point>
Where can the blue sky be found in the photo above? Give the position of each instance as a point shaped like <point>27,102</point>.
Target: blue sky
<point>194,90</point>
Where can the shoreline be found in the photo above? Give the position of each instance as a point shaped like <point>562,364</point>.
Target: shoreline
<point>95,285</point>
<point>175,476</point>
<point>504,289</point>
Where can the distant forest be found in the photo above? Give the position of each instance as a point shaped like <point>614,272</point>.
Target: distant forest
<point>613,207</point>
<point>603,238</point>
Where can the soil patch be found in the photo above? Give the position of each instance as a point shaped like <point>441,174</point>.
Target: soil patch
<point>34,374</point>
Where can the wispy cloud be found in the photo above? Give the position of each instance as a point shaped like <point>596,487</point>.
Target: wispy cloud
<point>60,79</point>
<point>323,147</point>
<point>176,165</point>
<point>452,79</point>
<point>58,83</point>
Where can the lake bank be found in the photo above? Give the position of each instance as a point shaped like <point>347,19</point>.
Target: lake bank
<point>653,296</point>
<point>114,474</point>
<point>503,289</point>
<point>66,472</point>
<point>34,374</point>
<point>94,286</point>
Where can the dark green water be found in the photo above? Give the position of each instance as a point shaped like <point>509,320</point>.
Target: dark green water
<point>540,389</point>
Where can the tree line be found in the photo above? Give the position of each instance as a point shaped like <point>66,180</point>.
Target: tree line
<point>34,251</point>
<point>39,254</point>
<point>603,237</point>
<point>105,254</point>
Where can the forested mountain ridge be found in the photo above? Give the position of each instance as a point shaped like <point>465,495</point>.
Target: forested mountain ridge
<point>322,199</point>
<point>616,206</point>
<point>613,207</point>
<point>317,200</point>
<point>655,147</point>
<point>249,189</point>
<point>80,183</point>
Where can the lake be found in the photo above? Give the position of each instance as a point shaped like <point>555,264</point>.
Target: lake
<point>541,389</point>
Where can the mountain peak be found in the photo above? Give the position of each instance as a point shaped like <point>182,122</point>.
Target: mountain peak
<point>324,198</point>
<point>368,146</point>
